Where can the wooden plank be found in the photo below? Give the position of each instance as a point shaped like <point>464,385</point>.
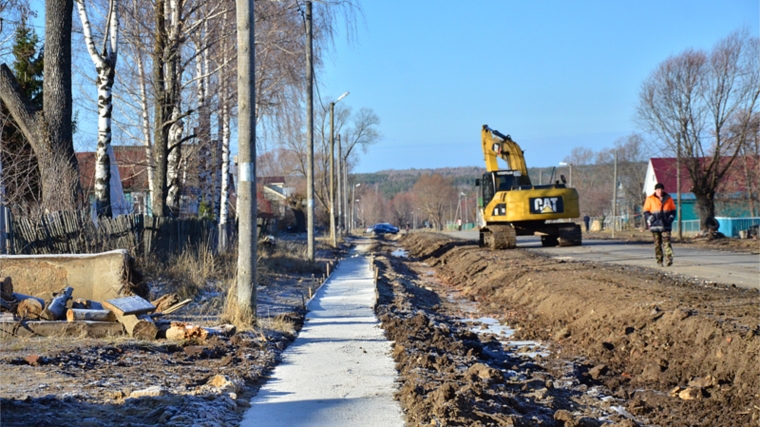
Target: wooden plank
<point>129,305</point>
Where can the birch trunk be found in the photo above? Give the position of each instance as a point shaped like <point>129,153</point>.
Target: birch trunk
<point>204,123</point>
<point>224,138</point>
<point>105,65</point>
<point>225,181</point>
<point>146,124</point>
<point>173,165</point>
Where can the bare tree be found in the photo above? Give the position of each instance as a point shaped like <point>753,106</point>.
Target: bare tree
<point>11,12</point>
<point>401,208</point>
<point>49,131</point>
<point>580,156</point>
<point>433,194</point>
<point>693,100</point>
<point>21,178</point>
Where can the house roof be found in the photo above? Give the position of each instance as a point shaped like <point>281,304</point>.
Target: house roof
<point>664,170</point>
<point>271,180</point>
<point>133,168</point>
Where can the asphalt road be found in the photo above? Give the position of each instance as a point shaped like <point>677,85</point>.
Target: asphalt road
<point>728,268</point>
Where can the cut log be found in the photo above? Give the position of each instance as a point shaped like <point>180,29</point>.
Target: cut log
<point>129,305</point>
<point>73,314</point>
<point>56,310</point>
<point>81,303</point>
<point>165,302</point>
<point>179,331</point>
<point>29,307</point>
<point>6,288</point>
<point>18,297</point>
<point>177,306</point>
<point>140,327</point>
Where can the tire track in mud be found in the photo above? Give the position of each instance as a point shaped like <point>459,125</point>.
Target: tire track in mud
<point>644,336</point>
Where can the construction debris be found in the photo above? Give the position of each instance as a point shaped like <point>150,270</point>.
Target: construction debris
<point>26,315</point>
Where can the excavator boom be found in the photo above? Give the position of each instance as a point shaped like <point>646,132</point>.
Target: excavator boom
<point>496,144</point>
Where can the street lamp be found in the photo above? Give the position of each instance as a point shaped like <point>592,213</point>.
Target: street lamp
<point>353,206</point>
<point>570,166</point>
<point>333,237</point>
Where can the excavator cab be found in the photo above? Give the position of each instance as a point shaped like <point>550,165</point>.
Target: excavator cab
<point>503,180</point>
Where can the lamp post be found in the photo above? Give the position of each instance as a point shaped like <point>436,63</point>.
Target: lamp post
<point>353,206</point>
<point>333,237</point>
<point>464,209</point>
<point>570,167</point>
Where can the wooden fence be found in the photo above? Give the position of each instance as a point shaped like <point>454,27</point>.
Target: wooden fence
<point>75,232</point>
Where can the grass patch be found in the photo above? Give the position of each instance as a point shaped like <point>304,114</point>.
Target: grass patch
<point>188,273</point>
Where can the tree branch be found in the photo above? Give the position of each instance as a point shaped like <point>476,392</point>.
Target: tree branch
<point>27,118</point>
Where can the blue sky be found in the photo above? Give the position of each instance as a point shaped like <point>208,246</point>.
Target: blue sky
<point>553,74</point>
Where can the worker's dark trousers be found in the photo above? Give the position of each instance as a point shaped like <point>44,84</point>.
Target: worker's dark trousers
<point>662,243</point>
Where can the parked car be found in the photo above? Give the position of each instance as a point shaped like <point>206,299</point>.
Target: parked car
<point>383,228</point>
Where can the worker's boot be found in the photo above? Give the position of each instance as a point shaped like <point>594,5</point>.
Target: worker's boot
<point>669,262</point>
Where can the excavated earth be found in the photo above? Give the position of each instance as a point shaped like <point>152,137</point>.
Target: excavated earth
<point>616,345</point>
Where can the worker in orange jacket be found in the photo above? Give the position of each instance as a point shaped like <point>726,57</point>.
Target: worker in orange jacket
<point>659,212</point>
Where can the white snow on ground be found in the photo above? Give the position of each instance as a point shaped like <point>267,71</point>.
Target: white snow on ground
<point>339,371</point>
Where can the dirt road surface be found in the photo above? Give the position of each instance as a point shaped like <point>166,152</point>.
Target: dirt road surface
<point>691,260</point>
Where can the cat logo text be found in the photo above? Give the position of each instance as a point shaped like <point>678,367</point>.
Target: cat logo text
<point>546,205</point>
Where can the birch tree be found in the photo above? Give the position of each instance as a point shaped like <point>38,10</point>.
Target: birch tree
<point>224,137</point>
<point>105,67</point>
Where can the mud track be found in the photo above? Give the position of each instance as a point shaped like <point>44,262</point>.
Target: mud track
<point>627,346</point>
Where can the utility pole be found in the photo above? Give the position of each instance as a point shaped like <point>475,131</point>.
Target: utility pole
<point>353,206</point>
<point>341,187</point>
<point>333,237</point>
<point>614,195</point>
<point>678,190</point>
<point>246,265</point>
<point>309,136</point>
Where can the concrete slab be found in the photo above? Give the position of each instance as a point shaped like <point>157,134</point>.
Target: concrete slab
<point>339,371</point>
<point>95,277</point>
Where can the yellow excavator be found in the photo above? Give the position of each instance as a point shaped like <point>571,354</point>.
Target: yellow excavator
<point>510,206</point>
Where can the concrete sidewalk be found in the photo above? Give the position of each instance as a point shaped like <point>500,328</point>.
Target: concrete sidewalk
<point>339,371</point>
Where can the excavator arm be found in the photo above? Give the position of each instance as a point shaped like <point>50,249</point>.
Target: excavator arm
<point>496,144</point>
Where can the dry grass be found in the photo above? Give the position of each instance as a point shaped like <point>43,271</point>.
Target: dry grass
<point>198,272</point>
<point>279,324</point>
<point>194,270</point>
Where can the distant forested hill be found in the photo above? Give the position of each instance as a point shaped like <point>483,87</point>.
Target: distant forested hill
<point>392,182</point>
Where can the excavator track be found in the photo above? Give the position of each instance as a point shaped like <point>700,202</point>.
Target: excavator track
<point>570,236</point>
<point>498,237</point>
